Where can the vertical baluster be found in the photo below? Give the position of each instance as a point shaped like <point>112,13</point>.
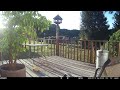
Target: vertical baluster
<point>54,46</point>
<point>77,48</point>
<point>34,47</point>
<point>84,49</point>
<point>91,53</point>
<point>95,49</point>
<point>68,48</point>
<point>74,50</point>
<point>41,47</point>
<point>44,47</point>
<point>51,46</point>
<point>60,48</point>
<point>71,48</point>
<point>29,48</point>
<point>63,48</point>
<point>88,51</point>
<point>103,44</point>
<point>48,47</point>
<point>37,46</point>
<point>80,49</point>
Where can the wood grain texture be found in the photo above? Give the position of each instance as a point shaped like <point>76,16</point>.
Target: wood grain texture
<point>55,66</point>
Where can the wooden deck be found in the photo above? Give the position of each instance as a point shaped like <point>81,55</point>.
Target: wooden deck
<point>55,66</point>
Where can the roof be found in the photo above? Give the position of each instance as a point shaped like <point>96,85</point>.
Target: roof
<point>57,18</point>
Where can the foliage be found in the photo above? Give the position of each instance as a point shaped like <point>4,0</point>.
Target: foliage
<point>116,24</point>
<point>83,35</point>
<point>30,21</point>
<point>20,26</point>
<point>95,25</point>
<point>12,42</point>
<point>62,32</point>
<point>114,43</point>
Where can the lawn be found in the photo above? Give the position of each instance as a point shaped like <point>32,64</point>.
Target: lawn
<point>67,50</point>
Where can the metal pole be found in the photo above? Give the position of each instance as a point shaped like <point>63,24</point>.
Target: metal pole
<point>57,40</point>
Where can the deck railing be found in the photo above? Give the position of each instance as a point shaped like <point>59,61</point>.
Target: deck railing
<point>81,50</point>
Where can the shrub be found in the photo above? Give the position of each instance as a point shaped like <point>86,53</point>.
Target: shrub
<point>114,43</point>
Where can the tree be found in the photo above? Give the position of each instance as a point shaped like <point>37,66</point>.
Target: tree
<point>117,21</point>
<point>114,43</point>
<point>83,35</point>
<point>20,26</point>
<point>52,27</point>
<point>62,32</point>
<point>31,21</point>
<point>95,25</point>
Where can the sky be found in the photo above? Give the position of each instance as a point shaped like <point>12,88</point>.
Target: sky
<point>110,19</point>
<point>71,19</point>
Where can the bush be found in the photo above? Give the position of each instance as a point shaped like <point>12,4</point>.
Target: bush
<point>114,43</point>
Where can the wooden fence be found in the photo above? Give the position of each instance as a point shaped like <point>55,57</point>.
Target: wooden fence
<point>81,50</point>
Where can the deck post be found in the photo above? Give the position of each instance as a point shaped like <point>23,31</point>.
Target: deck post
<point>57,40</point>
<point>57,21</point>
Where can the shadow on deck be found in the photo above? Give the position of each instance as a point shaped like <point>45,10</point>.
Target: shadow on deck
<point>55,66</point>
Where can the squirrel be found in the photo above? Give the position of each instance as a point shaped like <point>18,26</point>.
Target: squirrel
<point>36,68</point>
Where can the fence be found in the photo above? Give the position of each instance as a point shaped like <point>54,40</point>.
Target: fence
<point>81,50</point>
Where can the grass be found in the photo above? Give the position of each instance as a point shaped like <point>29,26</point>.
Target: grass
<point>67,52</point>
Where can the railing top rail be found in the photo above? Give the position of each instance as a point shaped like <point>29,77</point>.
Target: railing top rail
<point>45,39</point>
<point>95,40</point>
<point>79,40</point>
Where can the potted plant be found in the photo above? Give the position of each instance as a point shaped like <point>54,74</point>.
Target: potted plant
<point>11,44</point>
<point>20,27</point>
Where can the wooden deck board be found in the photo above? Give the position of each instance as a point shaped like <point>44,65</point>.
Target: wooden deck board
<point>55,66</point>
<point>28,69</point>
<point>59,69</point>
<point>56,62</point>
<point>69,61</point>
<point>28,75</point>
<point>62,61</point>
<point>30,64</point>
<point>49,70</point>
